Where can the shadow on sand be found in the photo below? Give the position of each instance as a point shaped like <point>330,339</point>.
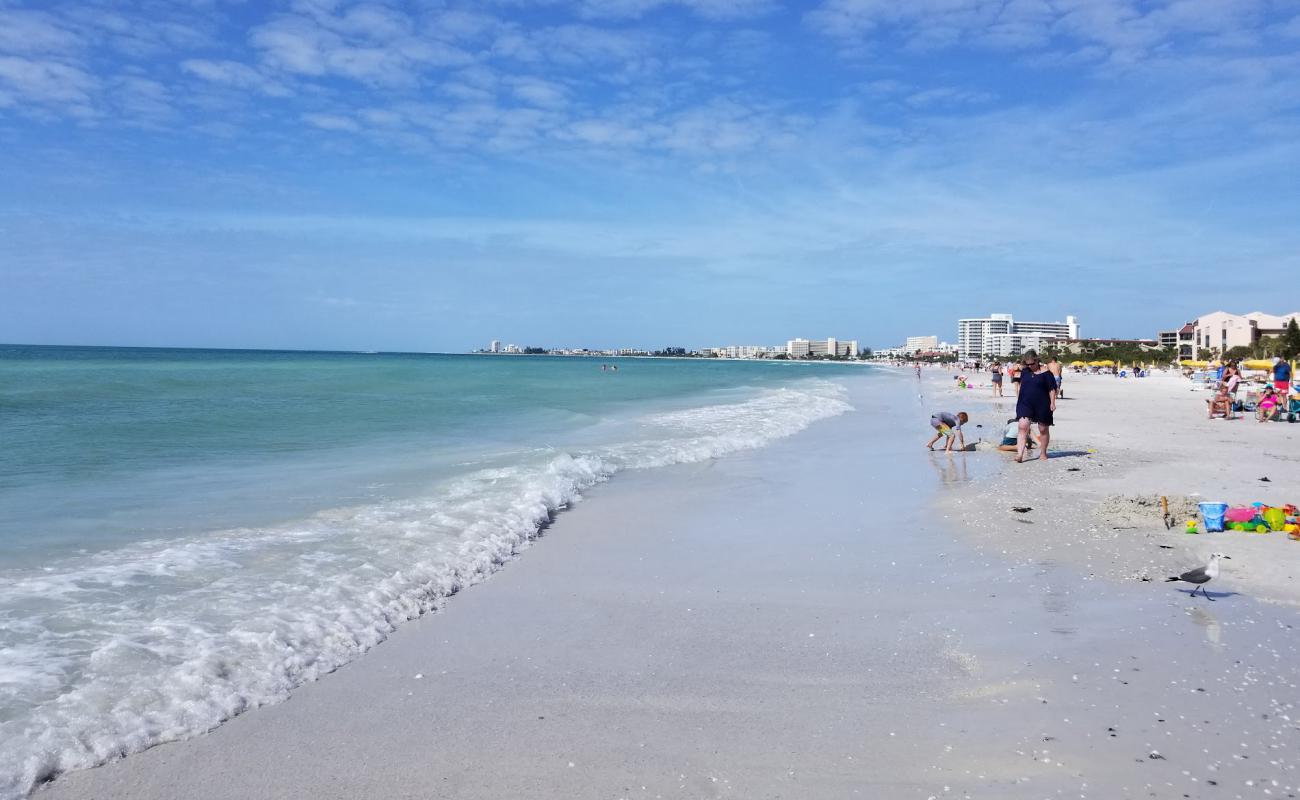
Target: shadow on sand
<point>1213,595</point>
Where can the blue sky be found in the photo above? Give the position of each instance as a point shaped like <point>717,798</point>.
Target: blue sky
<point>432,175</point>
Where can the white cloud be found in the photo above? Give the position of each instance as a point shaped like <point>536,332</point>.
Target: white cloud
<point>539,92</point>
<point>141,98</point>
<point>369,44</point>
<point>234,74</point>
<point>34,32</point>
<point>331,122</point>
<point>46,82</point>
<point>708,9</point>
<point>1126,30</point>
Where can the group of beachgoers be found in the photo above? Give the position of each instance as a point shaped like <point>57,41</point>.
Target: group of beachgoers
<point>1037,386</point>
<point>1274,399</point>
<point>1011,371</point>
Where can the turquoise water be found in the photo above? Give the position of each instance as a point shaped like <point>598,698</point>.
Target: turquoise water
<point>103,444</point>
<point>185,534</point>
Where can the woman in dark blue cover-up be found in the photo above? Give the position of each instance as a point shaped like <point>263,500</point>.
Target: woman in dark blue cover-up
<point>1034,404</point>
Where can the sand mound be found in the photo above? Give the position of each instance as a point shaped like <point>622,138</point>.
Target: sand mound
<point>1145,510</point>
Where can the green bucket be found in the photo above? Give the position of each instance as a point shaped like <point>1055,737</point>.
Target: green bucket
<point>1275,517</point>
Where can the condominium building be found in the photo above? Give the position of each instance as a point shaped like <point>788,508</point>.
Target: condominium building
<point>924,344</point>
<point>1216,333</point>
<point>1180,339</point>
<point>1003,336</point>
<point>495,347</point>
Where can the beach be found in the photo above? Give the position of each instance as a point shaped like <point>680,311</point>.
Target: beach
<point>1122,444</point>
<point>837,613</point>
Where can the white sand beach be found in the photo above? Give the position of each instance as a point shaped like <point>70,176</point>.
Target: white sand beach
<point>1121,445</point>
<point>840,614</point>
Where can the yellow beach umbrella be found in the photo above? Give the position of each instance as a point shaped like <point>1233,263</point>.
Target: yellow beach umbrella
<point>1257,363</point>
<point>1190,363</point>
<point>1106,363</point>
<point>1078,363</point>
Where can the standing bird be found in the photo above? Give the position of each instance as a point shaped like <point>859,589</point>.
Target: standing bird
<point>1202,575</point>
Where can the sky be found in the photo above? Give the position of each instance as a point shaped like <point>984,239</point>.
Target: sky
<point>429,176</point>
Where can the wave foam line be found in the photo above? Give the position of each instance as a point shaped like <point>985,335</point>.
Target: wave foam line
<point>111,654</point>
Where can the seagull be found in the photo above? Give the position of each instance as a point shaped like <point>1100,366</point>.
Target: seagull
<point>1202,575</point>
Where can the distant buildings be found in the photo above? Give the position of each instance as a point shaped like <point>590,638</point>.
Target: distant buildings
<point>1001,336</point>
<point>923,344</point>
<point>795,348</point>
<point>1218,332</point>
<point>821,348</point>
<point>1180,339</point>
<point>743,351</point>
<point>1085,346</point>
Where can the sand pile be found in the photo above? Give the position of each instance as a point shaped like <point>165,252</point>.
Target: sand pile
<point>1139,511</point>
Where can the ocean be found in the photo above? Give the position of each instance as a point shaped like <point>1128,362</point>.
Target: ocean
<point>187,534</point>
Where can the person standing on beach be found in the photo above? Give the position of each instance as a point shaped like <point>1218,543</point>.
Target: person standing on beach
<point>1282,376</point>
<point>1054,367</point>
<point>1035,404</point>
<point>996,369</point>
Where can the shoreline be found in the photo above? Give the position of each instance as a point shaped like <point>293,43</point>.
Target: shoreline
<point>797,620</point>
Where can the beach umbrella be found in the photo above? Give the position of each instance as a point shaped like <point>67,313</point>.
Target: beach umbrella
<point>1257,363</point>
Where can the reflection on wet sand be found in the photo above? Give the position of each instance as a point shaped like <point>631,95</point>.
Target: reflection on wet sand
<point>952,467</point>
<point>1056,601</point>
<point>1213,630</point>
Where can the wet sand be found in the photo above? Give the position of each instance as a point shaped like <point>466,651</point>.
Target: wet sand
<point>798,621</point>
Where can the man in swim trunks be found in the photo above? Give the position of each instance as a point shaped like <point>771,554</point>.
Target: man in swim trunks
<point>946,424</point>
<point>1281,376</point>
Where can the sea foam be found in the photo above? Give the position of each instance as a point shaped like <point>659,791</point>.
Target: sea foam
<point>108,654</point>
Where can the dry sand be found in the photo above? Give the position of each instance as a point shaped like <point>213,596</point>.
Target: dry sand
<point>1119,446</point>
<point>795,622</point>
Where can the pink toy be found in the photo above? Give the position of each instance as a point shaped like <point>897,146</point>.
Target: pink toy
<point>1239,514</point>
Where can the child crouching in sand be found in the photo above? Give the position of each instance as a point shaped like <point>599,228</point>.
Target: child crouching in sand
<point>946,424</point>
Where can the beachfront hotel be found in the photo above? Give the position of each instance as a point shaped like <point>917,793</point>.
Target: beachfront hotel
<point>1002,336</point>
<point>816,348</point>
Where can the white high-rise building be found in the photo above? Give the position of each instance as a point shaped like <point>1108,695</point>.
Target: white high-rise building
<point>799,348</point>
<point>1001,335</point>
<point>495,347</point>
<point>924,344</point>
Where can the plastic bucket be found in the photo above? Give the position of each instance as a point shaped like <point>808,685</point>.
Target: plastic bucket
<point>1275,517</point>
<point>1213,514</point>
